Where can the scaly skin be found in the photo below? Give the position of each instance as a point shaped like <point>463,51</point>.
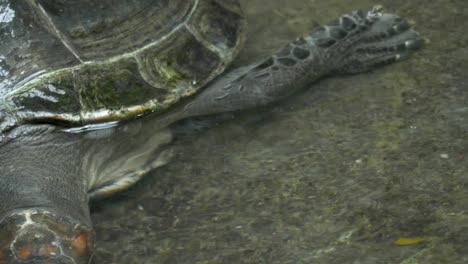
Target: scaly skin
<point>37,218</point>
<point>351,44</point>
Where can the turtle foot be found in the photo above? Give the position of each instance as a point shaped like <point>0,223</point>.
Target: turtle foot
<point>360,41</point>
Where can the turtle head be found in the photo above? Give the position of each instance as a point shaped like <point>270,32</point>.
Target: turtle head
<point>41,236</point>
<point>44,212</point>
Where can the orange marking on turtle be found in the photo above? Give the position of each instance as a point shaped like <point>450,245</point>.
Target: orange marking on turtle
<point>23,252</point>
<point>80,244</point>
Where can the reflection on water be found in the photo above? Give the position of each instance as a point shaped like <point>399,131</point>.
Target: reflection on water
<point>337,174</point>
<point>6,14</point>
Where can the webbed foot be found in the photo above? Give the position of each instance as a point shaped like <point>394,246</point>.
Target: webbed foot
<point>361,41</point>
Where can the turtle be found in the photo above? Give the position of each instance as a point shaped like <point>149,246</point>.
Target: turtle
<point>89,90</point>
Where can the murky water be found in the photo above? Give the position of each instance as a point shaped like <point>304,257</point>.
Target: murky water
<point>336,174</point>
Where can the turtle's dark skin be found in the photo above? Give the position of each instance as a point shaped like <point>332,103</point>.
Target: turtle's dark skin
<point>89,88</point>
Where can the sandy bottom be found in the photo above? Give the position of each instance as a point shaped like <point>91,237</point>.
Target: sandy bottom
<point>336,174</point>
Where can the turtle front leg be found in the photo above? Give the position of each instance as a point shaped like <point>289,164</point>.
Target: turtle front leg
<point>353,43</point>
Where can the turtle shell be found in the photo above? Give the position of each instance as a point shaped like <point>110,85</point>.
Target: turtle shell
<point>81,62</point>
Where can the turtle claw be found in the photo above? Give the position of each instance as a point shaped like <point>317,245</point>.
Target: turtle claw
<point>378,39</point>
<point>376,10</point>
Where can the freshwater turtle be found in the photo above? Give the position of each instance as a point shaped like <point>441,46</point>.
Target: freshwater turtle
<point>89,88</point>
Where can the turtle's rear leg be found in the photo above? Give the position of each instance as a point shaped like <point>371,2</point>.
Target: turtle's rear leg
<point>353,43</point>
<point>378,38</point>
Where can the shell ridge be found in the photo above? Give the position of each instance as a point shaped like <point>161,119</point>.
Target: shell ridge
<point>136,54</point>
<point>40,11</point>
<point>208,44</point>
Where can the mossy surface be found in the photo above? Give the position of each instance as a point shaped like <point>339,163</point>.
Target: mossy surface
<point>336,174</point>
<point>115,85</point>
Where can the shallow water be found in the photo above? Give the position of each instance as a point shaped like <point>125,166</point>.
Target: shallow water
<point>336,174</point>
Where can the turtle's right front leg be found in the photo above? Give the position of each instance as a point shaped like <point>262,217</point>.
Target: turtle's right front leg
<point>353,43</point>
